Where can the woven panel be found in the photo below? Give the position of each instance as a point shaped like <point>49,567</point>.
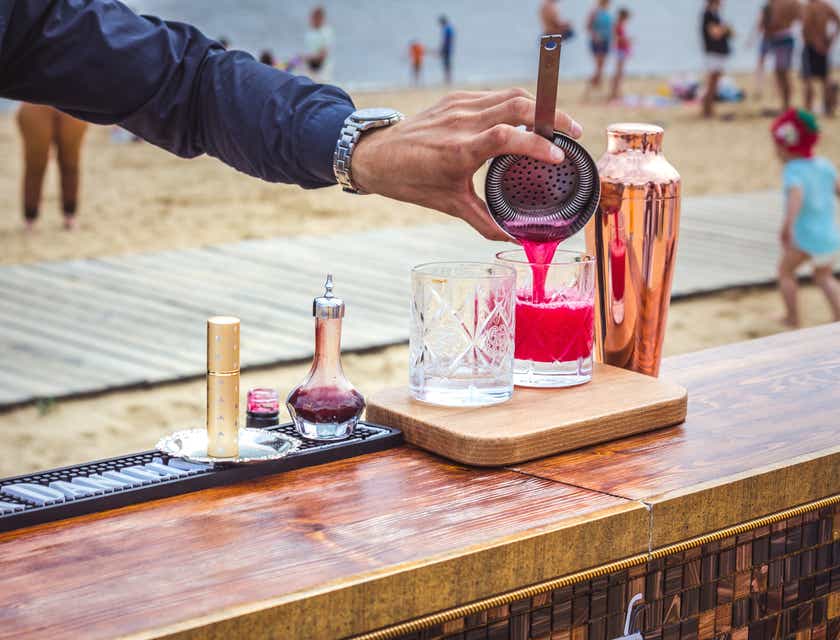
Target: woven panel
<point>780,582</point>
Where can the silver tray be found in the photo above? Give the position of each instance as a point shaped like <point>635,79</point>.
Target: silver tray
<point>255,446</point>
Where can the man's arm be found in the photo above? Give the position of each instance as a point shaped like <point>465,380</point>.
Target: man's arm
<point>171,85</point>
<point>174,87</point>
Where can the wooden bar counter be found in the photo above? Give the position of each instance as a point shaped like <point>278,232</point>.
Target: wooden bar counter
<point>728,525</point>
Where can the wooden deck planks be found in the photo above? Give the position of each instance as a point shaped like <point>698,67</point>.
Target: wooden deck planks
<point>92,325</point>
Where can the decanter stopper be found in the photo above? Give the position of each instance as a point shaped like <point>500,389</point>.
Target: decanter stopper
<point>325,406</point>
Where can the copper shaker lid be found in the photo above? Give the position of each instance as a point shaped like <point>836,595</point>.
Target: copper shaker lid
<point>624,136</point>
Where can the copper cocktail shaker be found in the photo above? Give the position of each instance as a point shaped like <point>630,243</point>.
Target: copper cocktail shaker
<point>634,235</point>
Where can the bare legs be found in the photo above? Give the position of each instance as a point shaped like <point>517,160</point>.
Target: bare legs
<point>811,94</point>
<point>830,287</point>
<point>40,127</point>
<point>783,82</point>
<point>711,94</point>
<point>791,259</point>
<point>759,76</point>
<point>615,93</point>
<point>595,81</point>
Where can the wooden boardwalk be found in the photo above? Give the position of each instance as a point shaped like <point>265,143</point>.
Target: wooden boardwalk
<point>86,326</point>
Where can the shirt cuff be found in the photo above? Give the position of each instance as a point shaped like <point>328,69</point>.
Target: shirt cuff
<point>323,130</point>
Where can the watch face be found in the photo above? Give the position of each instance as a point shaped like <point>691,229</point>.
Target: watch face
<point>374,113</point>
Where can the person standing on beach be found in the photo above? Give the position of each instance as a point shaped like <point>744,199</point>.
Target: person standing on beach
<point>622,49</point>
<point>716,34</point>
<point>784,14</point>
<point>416,51</point>
<point>763,46</point>
<point>318,42</point>
<point>552,22</point>
<point>169,84</point>
<point>41,128</point>
<point>810,232</point>
<point>820,26</point>
<point>447,44</point>
<point>600,28</point>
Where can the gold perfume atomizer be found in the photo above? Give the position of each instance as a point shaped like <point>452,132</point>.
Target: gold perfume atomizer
<point>223,387</point>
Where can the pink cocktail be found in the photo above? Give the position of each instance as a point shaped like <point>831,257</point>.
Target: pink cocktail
<point>555,318</point>
<point>558,330</point>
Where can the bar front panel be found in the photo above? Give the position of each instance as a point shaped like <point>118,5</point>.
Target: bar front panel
<point>775,582</point>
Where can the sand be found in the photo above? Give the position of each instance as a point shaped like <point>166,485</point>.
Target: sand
<point>137,198</point>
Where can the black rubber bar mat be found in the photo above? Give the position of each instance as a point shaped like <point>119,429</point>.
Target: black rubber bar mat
<point>92,487</point>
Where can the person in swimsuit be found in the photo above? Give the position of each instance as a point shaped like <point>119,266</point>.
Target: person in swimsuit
<point>810,232</point>
<point>716,35</point>
<point>782,20</point>
<point>600,28</point>
<point>820,26</point>
<point>41,128</point>
<point>622,49</point>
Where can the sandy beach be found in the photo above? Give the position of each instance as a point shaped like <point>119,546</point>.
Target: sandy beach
<point>136,198</point>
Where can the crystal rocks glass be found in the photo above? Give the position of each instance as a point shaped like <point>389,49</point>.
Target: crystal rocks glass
<point>462,328</point>
<point>555,321</point>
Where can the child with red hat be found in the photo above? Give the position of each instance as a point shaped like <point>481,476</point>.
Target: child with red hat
<point>810,231</point>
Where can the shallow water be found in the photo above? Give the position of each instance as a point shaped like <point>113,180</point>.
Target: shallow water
<point>494,38</point>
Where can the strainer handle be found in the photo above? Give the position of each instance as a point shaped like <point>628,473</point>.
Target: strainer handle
<point>547,85</point>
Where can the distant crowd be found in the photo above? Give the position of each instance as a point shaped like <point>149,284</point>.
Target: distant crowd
<point>777,30</point>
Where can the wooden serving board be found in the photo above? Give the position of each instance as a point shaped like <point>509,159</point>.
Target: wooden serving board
<point>535,422</point>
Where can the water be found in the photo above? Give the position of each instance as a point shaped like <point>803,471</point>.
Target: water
<point>495,39</point>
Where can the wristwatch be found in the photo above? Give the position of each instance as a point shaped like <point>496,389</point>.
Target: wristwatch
<point>357,123</point>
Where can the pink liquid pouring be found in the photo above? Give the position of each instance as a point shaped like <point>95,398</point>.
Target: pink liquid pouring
<point>551,326</point>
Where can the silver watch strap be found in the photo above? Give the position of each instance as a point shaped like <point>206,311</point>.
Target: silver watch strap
<point>350,135</point>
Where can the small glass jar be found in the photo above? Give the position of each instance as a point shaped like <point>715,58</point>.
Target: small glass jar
<point>263,408</point>
<point>326,406</point>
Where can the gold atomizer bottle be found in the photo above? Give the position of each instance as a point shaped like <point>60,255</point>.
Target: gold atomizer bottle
<point>223,387</point>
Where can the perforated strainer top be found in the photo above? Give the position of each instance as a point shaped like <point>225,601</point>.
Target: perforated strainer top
<point>534,200</point>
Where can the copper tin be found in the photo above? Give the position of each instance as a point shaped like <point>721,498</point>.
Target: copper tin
<point>634,235</point>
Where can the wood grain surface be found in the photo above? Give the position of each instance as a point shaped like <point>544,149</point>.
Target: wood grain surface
<point>315,553</point>
<point>359,544</point>
<point>535,422</point>
<point>762,433</point>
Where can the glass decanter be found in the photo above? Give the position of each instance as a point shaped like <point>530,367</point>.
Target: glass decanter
<point>325,406</point>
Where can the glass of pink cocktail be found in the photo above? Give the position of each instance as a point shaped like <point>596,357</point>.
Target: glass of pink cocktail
<point>555,318</point>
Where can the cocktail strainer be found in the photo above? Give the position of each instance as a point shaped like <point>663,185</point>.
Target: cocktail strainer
<point>534,200</point>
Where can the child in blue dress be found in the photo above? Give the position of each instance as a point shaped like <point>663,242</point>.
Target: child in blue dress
<point>810,232</point>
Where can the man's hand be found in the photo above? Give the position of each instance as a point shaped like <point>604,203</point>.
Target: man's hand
<point>430,159</point>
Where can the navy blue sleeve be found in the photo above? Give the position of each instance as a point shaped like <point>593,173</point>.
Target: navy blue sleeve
<point>170,85</point>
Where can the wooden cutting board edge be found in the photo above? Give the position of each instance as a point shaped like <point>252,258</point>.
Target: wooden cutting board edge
<point>669,410</point>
